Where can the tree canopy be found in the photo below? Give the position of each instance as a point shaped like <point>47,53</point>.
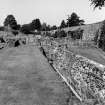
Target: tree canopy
<point>45,27</point>
<point>101,40</point>
<point>98,3</point>
<point>54,27</point>
<point>74,20</point>
<point>36,24</point>
<point>63,24</point>
<point>10,21</point>
<point>25,29</point>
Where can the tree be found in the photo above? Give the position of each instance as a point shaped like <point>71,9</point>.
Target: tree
<point>54,27</point>
<point>101,41</point>
<point>26,29</point>
<point>18,26</point>
<point>74,20</point>
<point>36,24</point>
<point>11,22</point>
<point>98,3</point>
<point>48,28</point>
<point>45,27</point>
<point>63,24</point>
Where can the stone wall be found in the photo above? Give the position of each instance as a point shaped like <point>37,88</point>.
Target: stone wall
<point>89,30</point>
<point>86,77</point>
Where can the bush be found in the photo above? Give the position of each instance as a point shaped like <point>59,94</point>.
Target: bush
<point>25,29</point>
<point>62,34</point>
<point>2,28</point>
<point>55,35</point>
<point>59,34</point>
<point>96,37</point>
<point>77,34</point>
<point>101,42</point>
<point>15,32</point>
<point>48,34</point>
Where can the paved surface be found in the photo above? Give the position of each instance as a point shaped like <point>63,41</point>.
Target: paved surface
<point>27,79</point>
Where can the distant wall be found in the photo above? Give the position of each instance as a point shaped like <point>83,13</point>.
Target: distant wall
<point>89,30</point>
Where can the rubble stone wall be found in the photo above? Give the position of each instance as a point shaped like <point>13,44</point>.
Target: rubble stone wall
<point>85,76</point>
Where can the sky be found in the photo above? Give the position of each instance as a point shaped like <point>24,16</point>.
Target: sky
<point>50,11</point>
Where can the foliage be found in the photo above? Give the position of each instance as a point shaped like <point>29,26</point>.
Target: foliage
<point>98,3</point>
<point>76,34</point>
<point>59,34</point>
<point>74,20</point>
<point>96,37</point>
<point>45,27</point>
<point>102,37</point>
<point>47,34</point>
<point>15,32</point>
<point>31,27</point>
<point>35,25</point>
<point>18,26</point>
<point>10,21</point>
<point>62,34</point>
<point>54,27</point>
<point>26,29</point>
<point>63,24</point>
<point>2,28</point>
<point>48,28</point>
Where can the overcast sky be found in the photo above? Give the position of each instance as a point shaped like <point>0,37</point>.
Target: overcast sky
<point>50,11</point>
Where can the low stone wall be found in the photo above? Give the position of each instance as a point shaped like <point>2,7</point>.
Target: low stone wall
<point>85,77</point>
<point>10,41</point>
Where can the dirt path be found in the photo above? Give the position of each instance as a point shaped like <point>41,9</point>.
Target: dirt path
<point>27,79</point>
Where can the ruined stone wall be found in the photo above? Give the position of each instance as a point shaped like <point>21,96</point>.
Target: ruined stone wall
<point>89,30</point>
<point>86,77</point>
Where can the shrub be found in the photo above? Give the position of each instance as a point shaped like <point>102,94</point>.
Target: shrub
<point>96,37</point>
<point>2,28</point>
<point>77,34</point>
<point>25,29</point>
<point>101,42</point>
<point>62,34</point>
<point>59,34</point>
<point>15,32</point>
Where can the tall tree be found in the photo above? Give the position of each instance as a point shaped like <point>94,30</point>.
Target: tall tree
<point>36,24</point>
<point>98,3</point>
<point>45,27</point>
<point>63,24</point>
<point>74,20</point>
<point>10,21</point>
<point>48,27</point>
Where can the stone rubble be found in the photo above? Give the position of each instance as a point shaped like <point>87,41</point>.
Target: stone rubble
<point>84,76</point>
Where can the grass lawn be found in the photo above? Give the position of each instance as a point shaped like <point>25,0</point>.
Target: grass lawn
<point>94,54</point>
<point>26,78</point>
